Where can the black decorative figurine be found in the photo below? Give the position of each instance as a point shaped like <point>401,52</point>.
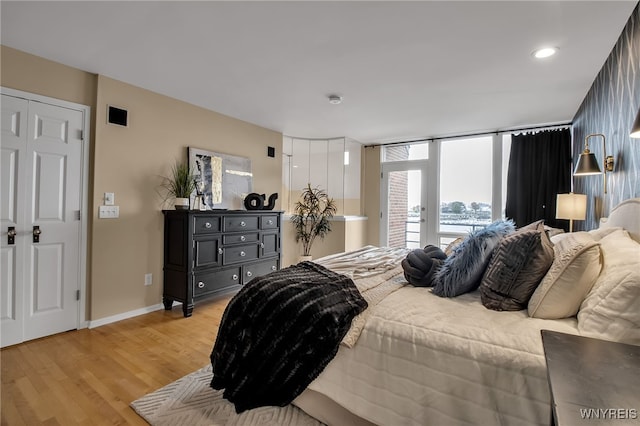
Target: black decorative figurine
<point>256,201</point>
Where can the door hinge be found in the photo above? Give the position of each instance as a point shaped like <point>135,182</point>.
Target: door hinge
<point>381,175</point>
<point>78,215</point>
<point>82,135</point>
<point>77,294</point>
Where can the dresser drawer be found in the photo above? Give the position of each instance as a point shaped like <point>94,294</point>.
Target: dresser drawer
<point>240,223</point>
<point>208,282</point>
<point>249,272</point>
<point>239,254</point>
<point>206,224</point>
<point>252,237</point>
<point>269,222</point>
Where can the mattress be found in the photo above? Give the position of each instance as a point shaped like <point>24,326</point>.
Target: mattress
<point>425,360</point>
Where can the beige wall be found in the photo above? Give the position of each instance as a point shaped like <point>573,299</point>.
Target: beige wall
<point>129,162</point>
<point>22,71</point>
<point>371,194</point>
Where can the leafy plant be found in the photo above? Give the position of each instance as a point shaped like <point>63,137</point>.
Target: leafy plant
<point>311,216</point>
<point>181,182</point>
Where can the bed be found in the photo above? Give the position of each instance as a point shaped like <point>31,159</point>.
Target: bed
<point>414,358</point>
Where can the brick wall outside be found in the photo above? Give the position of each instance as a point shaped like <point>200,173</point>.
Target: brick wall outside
<point>398,198</point>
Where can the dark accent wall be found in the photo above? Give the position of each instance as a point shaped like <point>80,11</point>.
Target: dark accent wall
<point>609,108</point>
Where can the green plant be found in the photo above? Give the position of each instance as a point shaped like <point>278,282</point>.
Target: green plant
<point>311,216</point>
<point>181,182</point>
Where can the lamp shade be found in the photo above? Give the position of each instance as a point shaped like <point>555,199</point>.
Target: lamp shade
<point>635,129</point>
<point>587,164</point>
<point>571,206</point>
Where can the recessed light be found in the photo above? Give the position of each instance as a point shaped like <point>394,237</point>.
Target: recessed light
<point>545,52</point>
<point>335,99</point>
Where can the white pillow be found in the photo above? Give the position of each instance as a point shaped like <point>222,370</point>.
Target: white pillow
<point>576,265</point>
<point>602,232</point>
<point>611,311</point>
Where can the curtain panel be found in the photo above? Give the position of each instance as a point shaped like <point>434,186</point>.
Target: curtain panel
<point>539,169</point>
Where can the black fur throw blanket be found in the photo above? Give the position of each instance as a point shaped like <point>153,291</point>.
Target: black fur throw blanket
<point>279,332</point>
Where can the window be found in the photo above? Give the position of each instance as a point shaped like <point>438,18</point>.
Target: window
<point>464,184</point>
<point>414,151</point>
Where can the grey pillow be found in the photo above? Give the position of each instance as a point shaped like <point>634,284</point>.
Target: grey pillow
<point>516,268</point>
<point>462,271</point>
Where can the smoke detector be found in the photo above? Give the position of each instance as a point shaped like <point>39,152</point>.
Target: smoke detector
<point>335,99</point>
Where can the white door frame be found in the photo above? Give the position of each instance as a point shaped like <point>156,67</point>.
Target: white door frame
<point>84,209</point>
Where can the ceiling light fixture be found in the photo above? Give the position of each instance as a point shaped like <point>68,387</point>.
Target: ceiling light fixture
<point>545,52</point>
<point>335,99</point>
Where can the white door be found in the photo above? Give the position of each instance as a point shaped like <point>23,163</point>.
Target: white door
<point>41,198</point>
<point>404,204</point>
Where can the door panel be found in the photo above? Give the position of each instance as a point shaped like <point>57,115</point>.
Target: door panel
<point>46,280</point>
<point>8,177</point>
<point>49,188</point>
<point>41,185</point>
<point>404,200</point>
<point>14,139</point>
<point>55,146</point>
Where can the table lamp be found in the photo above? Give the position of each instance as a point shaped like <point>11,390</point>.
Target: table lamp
<point>571,206</point>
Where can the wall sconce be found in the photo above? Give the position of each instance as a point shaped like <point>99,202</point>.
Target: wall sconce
<point>635,129</point>
<point>588,165</point>
<point>571,206</point>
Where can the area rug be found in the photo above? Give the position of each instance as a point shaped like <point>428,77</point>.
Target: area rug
<point>190,401</point>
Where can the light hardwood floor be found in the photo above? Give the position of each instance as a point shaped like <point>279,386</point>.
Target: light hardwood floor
<point>89,377</point>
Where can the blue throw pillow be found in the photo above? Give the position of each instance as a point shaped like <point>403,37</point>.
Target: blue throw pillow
<point>462,271</point>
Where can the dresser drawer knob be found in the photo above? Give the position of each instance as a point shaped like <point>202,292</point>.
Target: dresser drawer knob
<point>200,284</point>
<point>235,277</point>
<point>243,223</point>
<point>269,222</point>
<point>220,251</point>
<point>273,267</point>
<point>243,238</point>
<point>249,273</point>
<point>261,245</point>
<point>242,254</point>
<point>207,225</point>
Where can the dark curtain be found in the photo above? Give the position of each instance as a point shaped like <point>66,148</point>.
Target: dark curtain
<point>539,170</point>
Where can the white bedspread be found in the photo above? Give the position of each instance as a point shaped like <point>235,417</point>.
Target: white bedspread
<point>426,360</point>
<point>375,271</point>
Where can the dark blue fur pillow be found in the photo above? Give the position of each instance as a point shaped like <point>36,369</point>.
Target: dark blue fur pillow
<point>462,271</point>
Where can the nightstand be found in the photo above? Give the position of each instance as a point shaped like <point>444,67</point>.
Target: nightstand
<point>592,381</point>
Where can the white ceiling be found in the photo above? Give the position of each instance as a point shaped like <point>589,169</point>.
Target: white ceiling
<point>406,70</point>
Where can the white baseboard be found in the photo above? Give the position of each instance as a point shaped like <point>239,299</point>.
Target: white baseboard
<point>126,315</point>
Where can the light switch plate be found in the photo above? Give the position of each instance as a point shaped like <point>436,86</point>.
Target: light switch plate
<point>109,198</point>
<point>109,212</point>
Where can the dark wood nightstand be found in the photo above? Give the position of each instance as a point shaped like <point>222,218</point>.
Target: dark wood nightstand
<point>592,381</point>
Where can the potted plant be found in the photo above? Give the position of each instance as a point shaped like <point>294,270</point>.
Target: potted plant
<point>179,185</point>
<point>311,216</point>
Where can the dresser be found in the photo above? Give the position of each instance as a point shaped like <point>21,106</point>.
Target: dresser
<point>211,253</point>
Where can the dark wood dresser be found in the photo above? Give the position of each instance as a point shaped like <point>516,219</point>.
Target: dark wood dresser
<point>211,253</point>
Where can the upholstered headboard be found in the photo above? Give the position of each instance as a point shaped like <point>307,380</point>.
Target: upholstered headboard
<point>627,215</point>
